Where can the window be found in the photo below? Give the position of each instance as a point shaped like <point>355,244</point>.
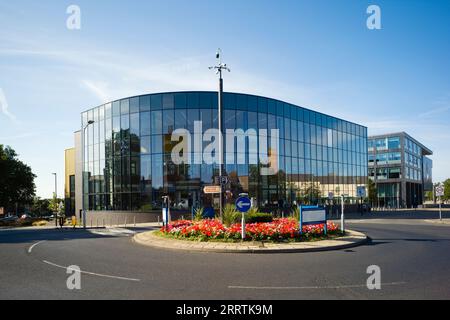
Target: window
<point>156,122</point>
<point>134,105</point>
<point>134,124</point>
<point>124,106</point>
<point>394,173</point>
<point>144,103</point>
<point>145,146</point>
<point>146,177</point>
<point>156,102</point>
<point>394,143</point>
<point>180,101</point>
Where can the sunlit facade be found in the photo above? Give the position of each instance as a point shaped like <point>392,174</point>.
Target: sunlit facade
<point>401,170</point>
<point>128,164</point>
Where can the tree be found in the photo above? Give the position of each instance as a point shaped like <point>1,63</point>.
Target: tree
<point>40,207</point>
<point>372,192</point>
<point>446,196</point>
<point>16,180</point>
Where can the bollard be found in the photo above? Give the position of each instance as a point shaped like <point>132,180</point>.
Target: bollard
<point>134,218</point>
<point>125,222</point>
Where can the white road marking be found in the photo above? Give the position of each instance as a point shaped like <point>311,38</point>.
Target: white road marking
<point>314,287</point>
<point>91,273</point>
<point>34,245</point>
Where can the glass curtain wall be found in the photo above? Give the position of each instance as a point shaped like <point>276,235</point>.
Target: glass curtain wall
<point>128,165</point>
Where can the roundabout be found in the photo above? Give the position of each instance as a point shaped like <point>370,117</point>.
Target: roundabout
<point>153,239</point>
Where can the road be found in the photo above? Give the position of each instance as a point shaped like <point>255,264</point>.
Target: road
<point>413,255</point>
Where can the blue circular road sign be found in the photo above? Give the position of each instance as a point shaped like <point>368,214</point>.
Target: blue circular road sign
<point>243,204</point>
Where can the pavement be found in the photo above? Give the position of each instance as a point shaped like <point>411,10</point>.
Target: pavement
<point>350,240</point>
<point>411,253</point>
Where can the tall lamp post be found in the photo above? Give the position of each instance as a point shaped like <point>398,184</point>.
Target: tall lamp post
<point>219,68</point>
<point>56,199</point>
<point>83,209</point>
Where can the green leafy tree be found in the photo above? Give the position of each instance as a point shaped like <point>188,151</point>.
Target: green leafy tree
<point>40,207</point>
<point>16,180</point>
<point>372,192</point>
<point>446,196</point>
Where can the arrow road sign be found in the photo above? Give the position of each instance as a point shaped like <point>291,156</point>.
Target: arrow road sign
<point>243,204</point>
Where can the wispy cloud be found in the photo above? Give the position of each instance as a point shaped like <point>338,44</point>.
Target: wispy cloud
<point>4,107</point>
<point>99,89</point>
<point>434,112</point>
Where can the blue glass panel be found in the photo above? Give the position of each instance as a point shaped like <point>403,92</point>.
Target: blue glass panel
<point>252,103</point>
<point>156,102</point>
<point>192,100</point>
<point>286,110</point>
<point>262,105</point>
<point>180,101</point>
<point>144,102</point>
<point>205,100</point>
<point>241,102</point>
<point>145,123</point>
<point>229,101</point>
<point>272,106</point>
<point>116,108</point>
<point>134,105</point>
<point>168,101</point>
<point>124,106</point>
<point>280,108</point>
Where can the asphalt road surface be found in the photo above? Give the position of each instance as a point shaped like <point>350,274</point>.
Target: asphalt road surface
<point>413,255</point>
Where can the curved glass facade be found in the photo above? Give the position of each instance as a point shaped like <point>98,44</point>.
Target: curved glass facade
<point>128,164</point>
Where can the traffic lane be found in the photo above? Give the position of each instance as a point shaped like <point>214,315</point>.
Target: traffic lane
<point>403,256</point>
<point>171,274</point>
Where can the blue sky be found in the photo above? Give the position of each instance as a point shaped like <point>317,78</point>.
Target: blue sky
<point>317,54</point>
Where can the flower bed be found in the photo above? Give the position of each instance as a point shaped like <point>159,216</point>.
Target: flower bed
<point>279,230</point>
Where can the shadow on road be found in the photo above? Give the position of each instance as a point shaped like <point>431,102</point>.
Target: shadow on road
<point>27,236</point>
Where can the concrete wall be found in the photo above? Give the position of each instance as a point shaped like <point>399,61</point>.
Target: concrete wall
<point>108,218</point>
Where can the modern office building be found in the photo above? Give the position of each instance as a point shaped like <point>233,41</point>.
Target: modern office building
<point>401,170</point>
<point>128,163</point>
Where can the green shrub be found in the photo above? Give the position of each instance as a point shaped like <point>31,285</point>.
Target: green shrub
<point>198,214</point>
<point>230,215</point>
<point>295,212</point>
<point>258,217</point>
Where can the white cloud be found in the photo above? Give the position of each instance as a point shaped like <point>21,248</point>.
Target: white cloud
<point>4,107</point>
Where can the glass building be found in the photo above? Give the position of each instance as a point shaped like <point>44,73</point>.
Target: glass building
<point>128,166</point>
<point>401,170</point>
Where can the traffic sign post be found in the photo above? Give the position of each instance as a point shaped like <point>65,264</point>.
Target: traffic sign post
<point>243,204</point>
<point>212,189</point>
<point>439,193</point>
<point>342,213</point>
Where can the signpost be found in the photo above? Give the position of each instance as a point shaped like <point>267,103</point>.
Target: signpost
<point>313,215</point>
<point>342,213</point>
<point>212,189</point>
<point>439,193</point>
<point>165,211</point>
<point>243,204</point>
<point>361,193</point>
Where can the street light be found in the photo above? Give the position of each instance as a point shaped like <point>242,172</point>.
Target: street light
<point>56,199</point>
<point>219,68</point>
<point>83,209</point>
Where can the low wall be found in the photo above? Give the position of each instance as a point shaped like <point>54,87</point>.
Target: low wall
<point>102,218</point>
